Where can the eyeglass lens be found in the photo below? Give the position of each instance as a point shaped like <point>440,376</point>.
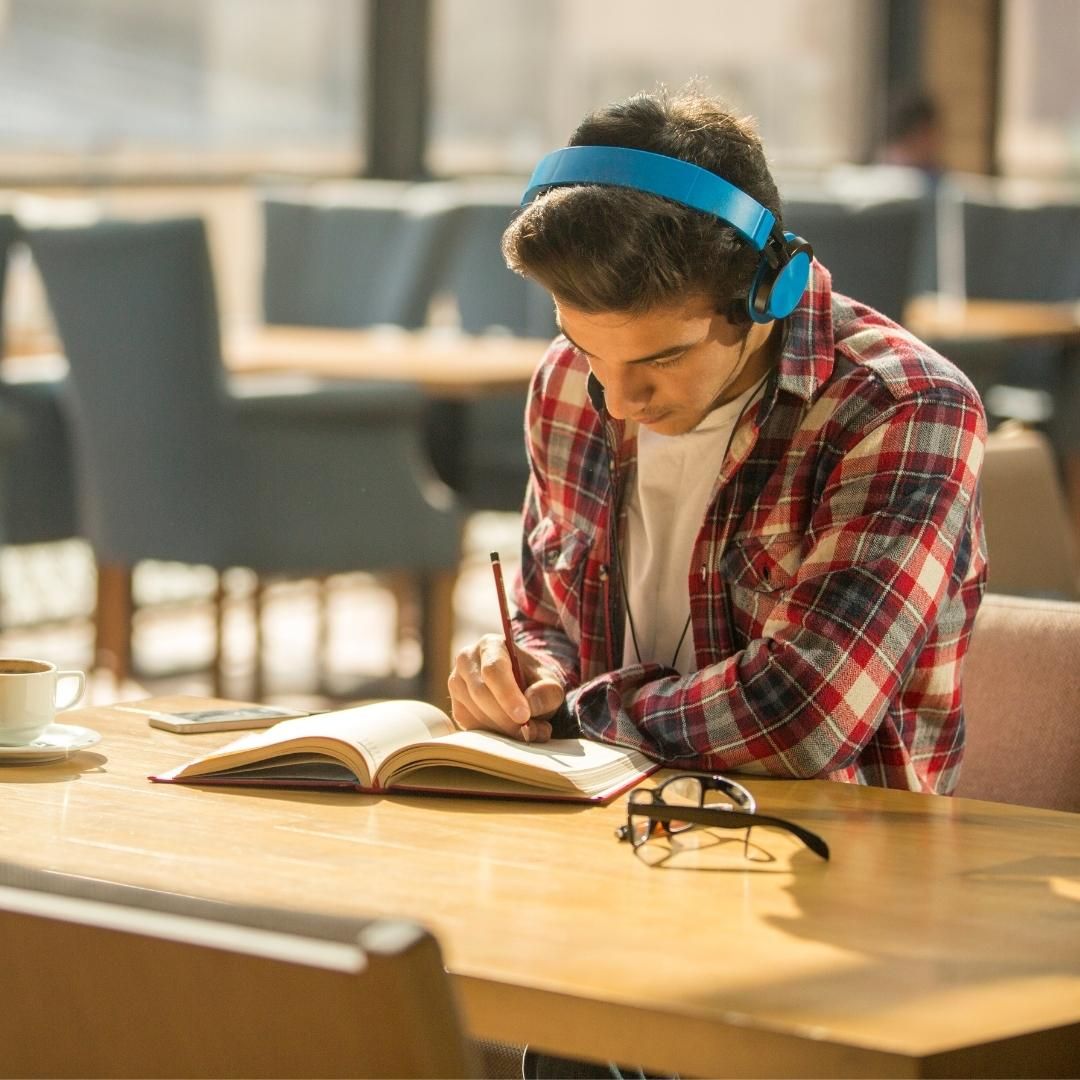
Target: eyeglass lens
<point>714,792</point>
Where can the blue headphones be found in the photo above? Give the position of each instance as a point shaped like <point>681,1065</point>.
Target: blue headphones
<point>784,268</point>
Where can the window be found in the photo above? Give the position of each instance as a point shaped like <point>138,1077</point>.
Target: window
<point>144,88</point>
<point>511,78</point>
<point>1039,134</point>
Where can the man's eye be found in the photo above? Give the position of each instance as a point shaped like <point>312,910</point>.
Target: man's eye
<point>670,361</point>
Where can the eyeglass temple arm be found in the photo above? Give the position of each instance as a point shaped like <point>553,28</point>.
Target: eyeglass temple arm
<point>729,819</point>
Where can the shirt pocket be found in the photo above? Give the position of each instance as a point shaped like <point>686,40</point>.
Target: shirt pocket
<point>560,553</point>
<point>765,564</point>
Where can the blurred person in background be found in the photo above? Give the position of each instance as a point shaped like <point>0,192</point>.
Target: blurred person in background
<point>913,135</point>
<point>752,538</point>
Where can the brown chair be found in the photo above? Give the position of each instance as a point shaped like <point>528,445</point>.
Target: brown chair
<point>1029,537</point>
<point>1022,704</point>
<point>113,981</point>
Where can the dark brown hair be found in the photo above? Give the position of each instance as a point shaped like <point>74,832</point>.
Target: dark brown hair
<point>602,248</point>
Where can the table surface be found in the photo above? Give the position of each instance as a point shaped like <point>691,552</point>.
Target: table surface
<point>444,363</point>
<point>941,318</point>
<point>447,363</point>
<point>939,926</point>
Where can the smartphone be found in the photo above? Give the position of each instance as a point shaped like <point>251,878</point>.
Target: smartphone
<point>186,719</point>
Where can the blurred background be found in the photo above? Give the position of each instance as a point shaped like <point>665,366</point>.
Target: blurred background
<point>99,91</point>
<point>230,110</point>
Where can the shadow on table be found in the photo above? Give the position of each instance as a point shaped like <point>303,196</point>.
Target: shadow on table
<point>60,772</point>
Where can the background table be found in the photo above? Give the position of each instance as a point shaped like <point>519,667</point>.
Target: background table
<point>941,939</point>
<point>443,363</point>
<point>942,318</point>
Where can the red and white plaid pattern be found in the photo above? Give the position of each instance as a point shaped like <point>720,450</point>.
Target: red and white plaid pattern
<point>844,538</point>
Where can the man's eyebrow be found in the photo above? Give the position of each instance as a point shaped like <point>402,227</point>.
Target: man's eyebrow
<point>671,350</point>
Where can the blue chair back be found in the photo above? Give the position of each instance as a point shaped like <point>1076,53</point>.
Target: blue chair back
<point>135,308</point>
<point>1017,252</point>
<point>9,231</point>
<point>871,250</point>
<point>352,261</point>
<point>488,294</point>
<point>38,493</point>
<point>488,434</point>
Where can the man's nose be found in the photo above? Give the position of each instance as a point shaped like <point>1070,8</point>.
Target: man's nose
<point>625,392</point>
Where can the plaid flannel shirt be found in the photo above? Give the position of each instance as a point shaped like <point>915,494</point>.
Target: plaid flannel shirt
<point>834,580</point>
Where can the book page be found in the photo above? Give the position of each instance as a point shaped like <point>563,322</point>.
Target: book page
<point>386,726</point>
<point>358,738</point>
<point>559,765</point>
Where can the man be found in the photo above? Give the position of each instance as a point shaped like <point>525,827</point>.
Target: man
<point>913,135</point>
<point>752,538</point>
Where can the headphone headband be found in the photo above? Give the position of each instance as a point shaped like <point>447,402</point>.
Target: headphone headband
<point>668,177</point>
<point>783,260</point>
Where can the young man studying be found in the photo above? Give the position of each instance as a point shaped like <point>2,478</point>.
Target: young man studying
<point>752,537</point>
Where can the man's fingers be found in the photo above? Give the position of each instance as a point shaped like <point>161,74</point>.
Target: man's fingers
<point>538,731</point>
<point>462,715</point>
<point>474,707</point>
<point>483,691</point>
<point>544,698</point>
<point>496,674</point>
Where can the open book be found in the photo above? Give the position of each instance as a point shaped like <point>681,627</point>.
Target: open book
<point>410,746</point>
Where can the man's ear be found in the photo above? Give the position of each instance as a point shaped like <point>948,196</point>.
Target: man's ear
<point>734,325</point>
<point>734,311</point>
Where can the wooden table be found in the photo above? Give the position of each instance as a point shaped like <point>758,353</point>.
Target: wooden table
<point>942,938</point>
<point>941,318</point>
<point>444,363</point>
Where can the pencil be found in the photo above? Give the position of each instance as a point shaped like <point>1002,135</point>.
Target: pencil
<point>504,614</point>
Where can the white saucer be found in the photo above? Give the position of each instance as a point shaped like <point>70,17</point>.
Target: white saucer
<point>57,741</point>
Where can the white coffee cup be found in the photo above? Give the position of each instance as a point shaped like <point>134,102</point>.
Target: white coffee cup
<point>29,698</point>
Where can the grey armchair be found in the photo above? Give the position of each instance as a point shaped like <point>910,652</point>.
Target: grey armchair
<point>9,232</point>
<point>1025,249</point>
<point>355,254</point>
<point>174,464</point>
<point>1021,250</point>
<point>871,249</point>
<point>346,254</point>
<point>490,465</point>
<point>37,497</point>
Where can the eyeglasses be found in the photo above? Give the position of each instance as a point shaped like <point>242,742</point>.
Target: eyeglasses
<point>687,800</point>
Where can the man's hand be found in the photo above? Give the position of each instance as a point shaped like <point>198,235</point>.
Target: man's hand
<point>484,695</point>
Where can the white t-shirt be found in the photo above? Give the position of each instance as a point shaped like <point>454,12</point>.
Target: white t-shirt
<point>676,475</point>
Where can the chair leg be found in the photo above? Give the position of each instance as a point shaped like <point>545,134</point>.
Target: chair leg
<point>400,584</point>
<point>113,619</point>
<point>220,602</point>
<point>322,632</point>
<point>436,633</point>
<point>258,599</point>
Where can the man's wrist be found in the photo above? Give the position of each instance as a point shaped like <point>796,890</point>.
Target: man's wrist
<point>564,724</point>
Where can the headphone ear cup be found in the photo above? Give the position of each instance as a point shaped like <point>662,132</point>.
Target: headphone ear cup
<point>775,292</point>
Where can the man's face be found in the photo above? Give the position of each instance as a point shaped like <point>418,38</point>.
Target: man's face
<point>669,368</point>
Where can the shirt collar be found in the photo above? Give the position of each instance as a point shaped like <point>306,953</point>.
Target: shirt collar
<point>807,359</point>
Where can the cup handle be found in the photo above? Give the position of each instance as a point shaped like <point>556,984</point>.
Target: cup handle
<point>80,677</point>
